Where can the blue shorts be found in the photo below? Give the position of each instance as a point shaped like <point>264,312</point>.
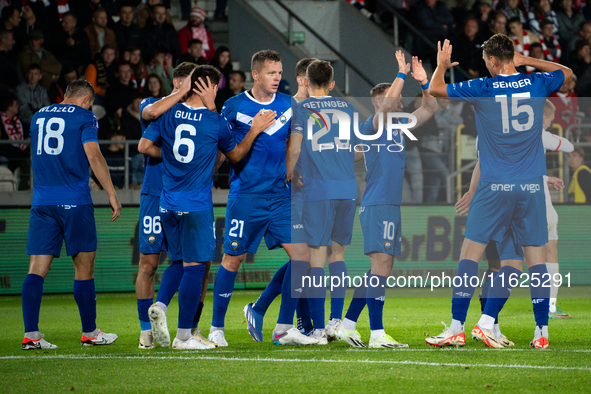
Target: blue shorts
<point>50,225</point>
<point>248,220</point>
<point>152,238</point>
<point>329,220</point>
<point>516,208</point>
<point>298,234</point>
<point>190,235</point>
<point>382,229</point>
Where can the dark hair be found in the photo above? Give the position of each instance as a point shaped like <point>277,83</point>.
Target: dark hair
<point>78,88</point>
<point>158,5</point>
<point>582,25</point>
<point>34,66</point>
<point>515,19</point>
<point>125,4</point>
<point>4,33</point>
<point>470,18</point>
<point>535,45</point>
<point>259,59</point>
<point>203,72</point>
<point>183,70</point>
<point>499,46</point>
<point>98,10</point>
<point>302,66</point>
<point>107,46</point>
<point>241,73</point>
<point>161,91</point>
<point>379,88</point>
<point>193,42</point>
<point>6,101</point>
<point>320,74</point>
<point>8,12</point>
<point>218,52</point>
<point>580,151</point>
<point>70,13</point>
<point>546,22</point>
<point>68,68</point>
<point>123,63</point>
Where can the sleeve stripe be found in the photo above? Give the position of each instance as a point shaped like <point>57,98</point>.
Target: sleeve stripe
<point>559,143</point>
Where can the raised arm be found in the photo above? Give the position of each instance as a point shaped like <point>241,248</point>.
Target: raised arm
<point>392,98</point>
<point>100,169</point>
<point>438,87</point>
<point>429,104</point>
<point>555,143</point>
<point>542,65</point>
<point>154,111</point>
<point>260,123</point>
<point>148,148</point>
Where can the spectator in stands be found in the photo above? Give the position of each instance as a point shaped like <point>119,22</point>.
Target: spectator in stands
<point>31,95</point>
<point>569,21</point>
<point>580,184</point>
<point>161,35</point>
<point>85,9</point>
<point>223,62</point>
<point>484,15</point>
<point>115,157</point>
<point>128,34</point>
<point>542,10</point>
<point>101,72</point>
<point>580,58</point>
<point>499,25</point>
<point>536,51</point>
<point>566,103</point>
<point>35,53</point>
<point>522,38</point>
<point>29,22</point>
<point>435,21</point>
<point>235,87</point>
<point>194,54</point>
<point>121,91</point>
<point>154,86</point>
<point>448,118</point>
<point>98,33</point>
<point>551,46</point>
<point>144,13</point>
<point>511,10</point>
<point>468,52</point>
<point>584,32</point>
<point>11,18</point>
<point>10,72</point>
<point>11,128</point>
<point>162,65</point>
<point>57,90</point>
<point>130,121</point>
<point>196,29</point>
<point>71,45</point>
<point>138,67</point>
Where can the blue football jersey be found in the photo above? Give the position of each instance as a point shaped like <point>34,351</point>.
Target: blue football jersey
<point>190,139</point>
<point>384,162</point>
<point>327,163</point>
<point>153,169</point>
<point>509,110</point>
<point>60,166</point>
<point>261,173</point>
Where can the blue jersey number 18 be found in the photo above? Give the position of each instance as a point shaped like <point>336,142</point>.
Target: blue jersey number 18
<point>49,134</point>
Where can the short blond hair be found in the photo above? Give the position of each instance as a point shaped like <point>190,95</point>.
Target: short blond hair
<point>549,108</point>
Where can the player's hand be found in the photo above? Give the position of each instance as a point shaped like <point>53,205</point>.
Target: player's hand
<point>403,66</point>
<point>556,183</point>
<point>444,55</point>
<point>263,120</point>
<point>296,178</point>
<point>115,207</point>
<point>206,92</point>
<point>518,59</point>
<point>418,72</point>
<point>186,85</point>
<point>463,205</point>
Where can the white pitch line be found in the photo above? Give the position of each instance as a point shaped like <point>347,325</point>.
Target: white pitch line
<point>453,349</point>
<point>292,360</point>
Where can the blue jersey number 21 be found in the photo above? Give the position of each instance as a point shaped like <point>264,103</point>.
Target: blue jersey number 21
<point>516,109</point>
<point>49,134</point>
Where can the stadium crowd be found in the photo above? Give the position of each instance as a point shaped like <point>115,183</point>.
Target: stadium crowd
<point>127,49</point>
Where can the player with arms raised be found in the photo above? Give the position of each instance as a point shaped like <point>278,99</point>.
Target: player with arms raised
<point>64,142</point>
<point>510,196</point>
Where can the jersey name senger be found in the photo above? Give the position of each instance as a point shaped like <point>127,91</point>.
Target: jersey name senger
<point>190,138</point>
<point>261,173</point>
<point>509,110</point>
<point>153,167</point>
<point>60,166</point>
<point>327,163</point>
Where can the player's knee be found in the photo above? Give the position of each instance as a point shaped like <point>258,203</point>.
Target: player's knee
<point>232,263</point>
<point>147,269</point>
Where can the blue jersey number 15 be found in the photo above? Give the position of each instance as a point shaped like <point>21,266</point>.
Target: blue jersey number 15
<point>516,109</point>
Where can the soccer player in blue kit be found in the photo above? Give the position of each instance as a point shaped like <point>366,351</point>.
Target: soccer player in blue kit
<point>329,187</point>
<point>64,142</point>
<point>190,136</point>
<point>379,213</point>
<point>152,238</point>
<point>259,199</point>
<point>510,196</point>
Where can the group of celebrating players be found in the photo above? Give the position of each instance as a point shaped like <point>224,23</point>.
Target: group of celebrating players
<point>293,183</point>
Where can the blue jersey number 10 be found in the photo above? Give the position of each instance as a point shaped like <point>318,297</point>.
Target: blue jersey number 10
<point>49,134</point>
<point>516,109</point>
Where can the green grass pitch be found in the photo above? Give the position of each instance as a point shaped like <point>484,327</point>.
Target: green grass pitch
<point>247,366</point>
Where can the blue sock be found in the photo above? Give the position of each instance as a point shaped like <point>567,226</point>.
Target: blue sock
<point>375,301</point>
<point>337,294</point>
<point>143,304</point>
<point>171,280</point>
<point>317,297</point>
<point>272,290</point>
<point>222,292</point>
<point>500,291</point>
<point>462,294</point>
<point>189,293</point>
<point>291,290</point>
<point>540,295</point>
<point>32,291</point>
<point>358,302</point>
<point>85,296</point>
<point>198,314</point>
<point>489,276</point>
